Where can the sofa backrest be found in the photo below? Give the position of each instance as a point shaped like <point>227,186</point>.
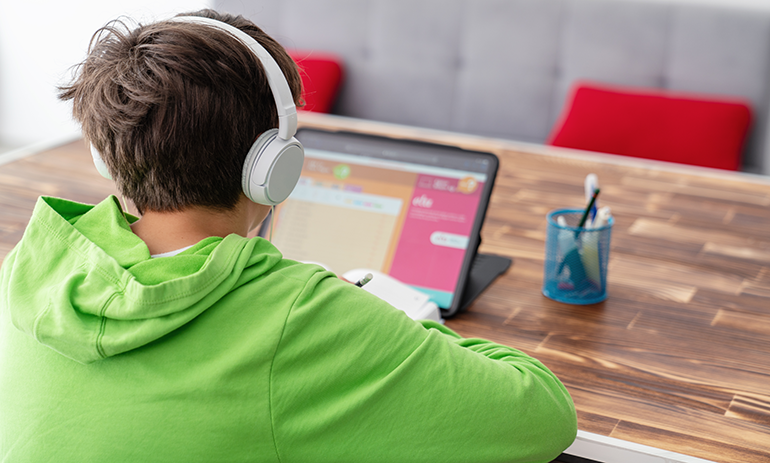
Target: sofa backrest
<point>503,68</point>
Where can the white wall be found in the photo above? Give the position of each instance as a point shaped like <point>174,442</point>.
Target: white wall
<point>40,40</point>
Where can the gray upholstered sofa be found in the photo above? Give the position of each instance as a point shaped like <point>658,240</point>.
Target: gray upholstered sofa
<point>503,68</point>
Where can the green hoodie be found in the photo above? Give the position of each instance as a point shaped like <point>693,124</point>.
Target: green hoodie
<point>228,352</point>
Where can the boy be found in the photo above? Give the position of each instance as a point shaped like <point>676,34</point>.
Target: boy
<point>174,337</point>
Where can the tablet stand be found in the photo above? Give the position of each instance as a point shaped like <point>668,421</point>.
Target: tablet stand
<point>484,270</point>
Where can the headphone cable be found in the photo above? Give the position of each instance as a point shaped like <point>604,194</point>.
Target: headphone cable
<point>272,221</point>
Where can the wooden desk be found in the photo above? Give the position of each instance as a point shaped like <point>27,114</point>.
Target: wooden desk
<point>678,356</point>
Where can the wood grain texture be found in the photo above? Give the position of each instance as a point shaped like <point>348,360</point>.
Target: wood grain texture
<point>677,357</point>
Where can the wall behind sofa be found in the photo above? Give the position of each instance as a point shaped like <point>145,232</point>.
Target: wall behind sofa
<point>503,68</point>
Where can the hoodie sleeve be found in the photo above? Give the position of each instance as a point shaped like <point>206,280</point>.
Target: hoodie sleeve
<point>354,379</point>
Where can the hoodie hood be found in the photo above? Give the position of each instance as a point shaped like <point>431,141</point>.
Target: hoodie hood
<point>82,283</point>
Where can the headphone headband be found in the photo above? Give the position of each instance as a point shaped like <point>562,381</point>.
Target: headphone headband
<point>284,103</point>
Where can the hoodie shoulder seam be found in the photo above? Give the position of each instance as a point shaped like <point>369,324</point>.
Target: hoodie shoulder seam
<point>272,364</point>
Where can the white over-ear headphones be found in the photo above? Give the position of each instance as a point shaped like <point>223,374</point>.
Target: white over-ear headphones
<point>274,162</point>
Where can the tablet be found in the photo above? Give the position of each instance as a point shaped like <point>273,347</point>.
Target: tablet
<point>410,209</point>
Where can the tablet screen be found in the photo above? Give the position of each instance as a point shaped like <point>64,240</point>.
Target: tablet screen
<point>411,210</point>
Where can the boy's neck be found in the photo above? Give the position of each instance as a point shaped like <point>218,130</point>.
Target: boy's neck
<point>169,231</point>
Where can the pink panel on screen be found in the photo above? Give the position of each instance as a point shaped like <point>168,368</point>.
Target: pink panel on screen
<point>432,209</point>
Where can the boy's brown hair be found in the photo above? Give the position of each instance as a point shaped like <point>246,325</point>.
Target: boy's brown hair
<point>173,108</point>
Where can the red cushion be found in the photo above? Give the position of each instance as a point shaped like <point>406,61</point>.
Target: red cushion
<point>654,124</point>
<point>321,75</point>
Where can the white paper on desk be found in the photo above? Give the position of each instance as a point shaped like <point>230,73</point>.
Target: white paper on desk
<point>415,304</point>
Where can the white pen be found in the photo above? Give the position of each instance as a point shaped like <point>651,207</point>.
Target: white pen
<point>602,217</point>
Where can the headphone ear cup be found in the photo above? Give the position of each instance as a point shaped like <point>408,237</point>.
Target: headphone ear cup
<point>99,163</point>
<point>272,168</point>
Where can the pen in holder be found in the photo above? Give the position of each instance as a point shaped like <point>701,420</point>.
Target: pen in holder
<point>576,257</point>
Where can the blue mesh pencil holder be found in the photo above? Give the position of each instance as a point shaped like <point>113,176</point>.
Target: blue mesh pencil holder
<point>575,270</point>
